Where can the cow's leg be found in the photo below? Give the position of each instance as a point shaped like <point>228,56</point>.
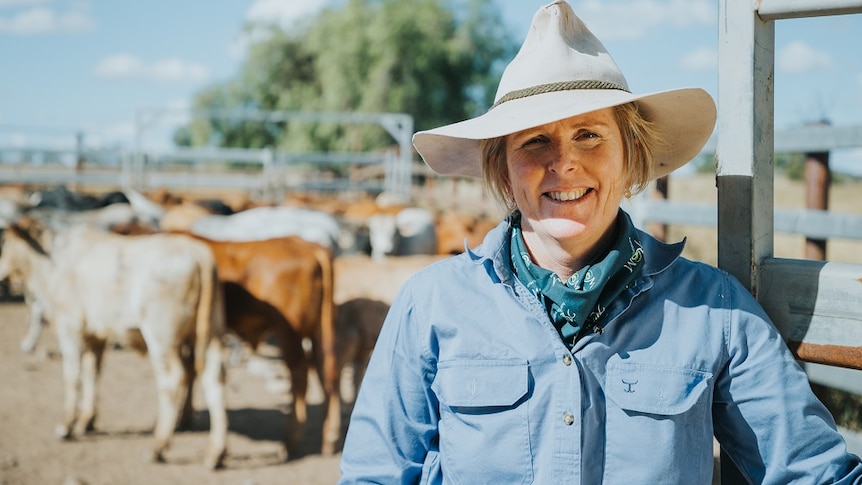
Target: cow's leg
<point>213,381</point>
<point>329,373</point>
<point>168,370</point>
<point>37,324</point>
<point>290,344</point>
<point>186,416</point>
<point>91,366</point>
<point>71,347</point>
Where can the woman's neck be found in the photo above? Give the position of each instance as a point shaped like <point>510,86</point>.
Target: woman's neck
<point>566,257</point>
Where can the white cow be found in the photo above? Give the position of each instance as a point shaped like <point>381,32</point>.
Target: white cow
<point>262,223</point>
<point>95,286</point>
<point>410,231</point>
<point>54,219</point>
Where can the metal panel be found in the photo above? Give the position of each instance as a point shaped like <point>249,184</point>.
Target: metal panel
<point>745,140</point>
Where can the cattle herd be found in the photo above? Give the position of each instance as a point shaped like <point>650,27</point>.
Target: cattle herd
<point>183,279</point>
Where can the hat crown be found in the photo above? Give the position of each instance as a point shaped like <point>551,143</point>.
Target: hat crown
<point>559,48</point>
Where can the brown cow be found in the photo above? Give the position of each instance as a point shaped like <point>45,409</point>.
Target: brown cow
<point>456,229</point>
<point>284,287</point>
<point>364,289</point>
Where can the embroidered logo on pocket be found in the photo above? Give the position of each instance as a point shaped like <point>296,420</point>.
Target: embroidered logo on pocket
<point>629,385</point>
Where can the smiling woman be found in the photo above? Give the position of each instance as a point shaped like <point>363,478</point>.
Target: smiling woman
<point>570,346</point>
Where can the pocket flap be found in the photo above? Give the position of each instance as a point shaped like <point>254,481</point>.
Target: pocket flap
<point>474,383</point>
<point>654,389</point>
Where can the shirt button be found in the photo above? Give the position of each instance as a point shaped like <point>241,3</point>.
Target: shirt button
<point>567,359</point>
<point>569,419</point>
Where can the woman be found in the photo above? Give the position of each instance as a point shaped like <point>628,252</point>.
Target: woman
<point>490,369</point>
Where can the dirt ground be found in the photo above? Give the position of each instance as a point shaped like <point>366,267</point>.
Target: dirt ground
<point>31,406</point>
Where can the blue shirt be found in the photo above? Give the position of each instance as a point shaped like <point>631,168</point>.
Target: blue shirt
<point>470,383</point>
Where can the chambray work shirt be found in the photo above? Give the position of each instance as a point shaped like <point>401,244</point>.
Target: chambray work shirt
<point>471,384</point>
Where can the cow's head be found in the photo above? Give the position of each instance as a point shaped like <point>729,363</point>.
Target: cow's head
<point>15,249</point>
<point>381,233</point>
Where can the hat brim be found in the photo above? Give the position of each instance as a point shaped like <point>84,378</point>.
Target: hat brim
<point>684,118</point>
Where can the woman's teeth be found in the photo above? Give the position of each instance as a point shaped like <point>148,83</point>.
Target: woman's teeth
<point>566,196</point>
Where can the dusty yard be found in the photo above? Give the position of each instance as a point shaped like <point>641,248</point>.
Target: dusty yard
<point>31,406</point>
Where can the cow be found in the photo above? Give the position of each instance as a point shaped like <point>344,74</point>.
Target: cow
<point>95,286</point>
<point>284,287</point>
<point>410,231</point>
<point>39,219</point>
<point>265,222</point>
<point>364,289</point>
<point>457,230</point>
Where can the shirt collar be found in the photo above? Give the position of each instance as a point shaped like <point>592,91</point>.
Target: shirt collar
<point>493,253</point>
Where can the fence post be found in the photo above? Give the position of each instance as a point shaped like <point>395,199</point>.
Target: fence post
<point>659,230</point>
<point>817,180</point>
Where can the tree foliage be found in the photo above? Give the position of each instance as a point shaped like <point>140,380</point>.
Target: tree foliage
<point>435,60</point>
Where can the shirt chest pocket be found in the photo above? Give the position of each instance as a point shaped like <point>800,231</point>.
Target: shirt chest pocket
<point>484,421</point>
<point>655,415</point>
<point>653,389</point>
<point>481,383</point>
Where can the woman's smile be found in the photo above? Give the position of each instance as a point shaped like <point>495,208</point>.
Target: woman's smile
<point>567,179</point>
<point>566,196</point>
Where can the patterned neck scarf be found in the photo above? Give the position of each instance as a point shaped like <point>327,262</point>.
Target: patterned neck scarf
<point>580,301</point>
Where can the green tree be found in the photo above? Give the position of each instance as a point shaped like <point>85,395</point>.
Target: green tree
<point>407,56</point>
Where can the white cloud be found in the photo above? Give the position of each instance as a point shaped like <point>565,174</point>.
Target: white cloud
<point>702,59</point>
<point>635,19</point>
<point>798,56</point>
<point>172,70</point>
<point>266,13</point>
<point>40,20</point>
<point>281,12</point>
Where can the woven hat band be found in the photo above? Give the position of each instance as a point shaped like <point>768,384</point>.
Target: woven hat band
<point>558,86</point>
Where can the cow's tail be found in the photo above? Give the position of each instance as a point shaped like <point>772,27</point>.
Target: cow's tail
<point>210,314</point>
<point>328,356</point>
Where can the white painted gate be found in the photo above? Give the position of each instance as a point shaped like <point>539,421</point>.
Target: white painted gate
<point>816,305</point>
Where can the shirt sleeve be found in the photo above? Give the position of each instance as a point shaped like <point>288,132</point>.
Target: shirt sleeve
<point>392,434</point>
<point>766,417</point>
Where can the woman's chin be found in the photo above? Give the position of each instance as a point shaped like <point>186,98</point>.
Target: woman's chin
<point>562,228</point>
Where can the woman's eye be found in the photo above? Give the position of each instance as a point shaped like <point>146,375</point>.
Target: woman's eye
<point>584,135</point>
<point>538,140</point>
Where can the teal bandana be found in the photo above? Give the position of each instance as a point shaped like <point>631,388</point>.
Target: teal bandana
<point>584,297</point>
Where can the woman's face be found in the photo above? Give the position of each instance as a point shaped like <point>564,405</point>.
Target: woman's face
<point>568,179</point>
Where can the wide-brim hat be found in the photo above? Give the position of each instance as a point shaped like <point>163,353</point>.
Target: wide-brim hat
<point>563,70</point>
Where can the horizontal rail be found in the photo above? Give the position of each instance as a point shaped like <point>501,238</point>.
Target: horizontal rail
<point>803,139</point>
<point>816,307</point>
<point>241,155</point>
<point>792,9</point>
<point>847,380</point>
<point>814,224</point>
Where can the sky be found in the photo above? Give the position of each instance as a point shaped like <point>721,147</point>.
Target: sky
<point>97,67</point>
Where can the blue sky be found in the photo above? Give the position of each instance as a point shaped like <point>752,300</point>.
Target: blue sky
<point>91,66</point>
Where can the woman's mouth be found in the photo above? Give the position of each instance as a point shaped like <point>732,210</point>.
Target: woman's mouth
<point>567,195</point>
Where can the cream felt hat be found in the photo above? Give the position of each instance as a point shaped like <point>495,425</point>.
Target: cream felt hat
<point>563,70</point>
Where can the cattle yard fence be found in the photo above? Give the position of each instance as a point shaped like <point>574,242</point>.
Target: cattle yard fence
<point>815,304</point>
<point>267,173</point>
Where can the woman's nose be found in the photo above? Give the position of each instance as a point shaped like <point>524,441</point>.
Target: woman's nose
<point>565,160</point>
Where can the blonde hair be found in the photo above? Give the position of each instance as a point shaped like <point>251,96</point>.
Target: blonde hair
<point>640,139</point>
